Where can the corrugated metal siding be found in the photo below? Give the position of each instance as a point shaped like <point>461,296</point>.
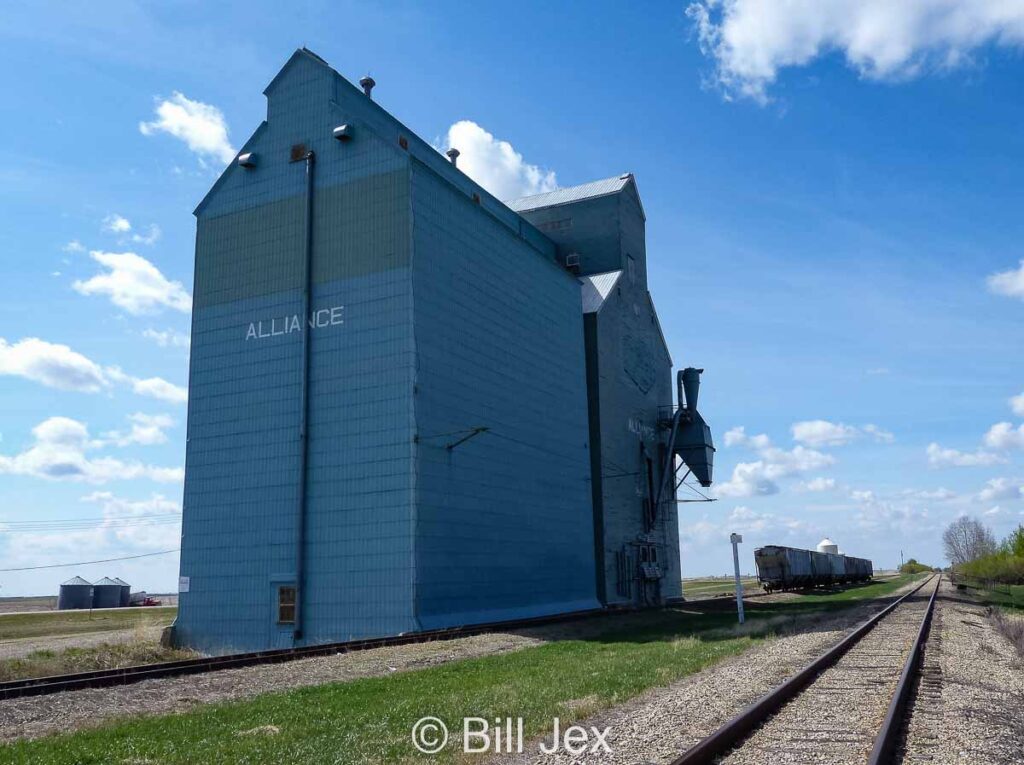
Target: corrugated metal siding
<point>239,521</point>
<point>635,380</point>
<point>503,520</point>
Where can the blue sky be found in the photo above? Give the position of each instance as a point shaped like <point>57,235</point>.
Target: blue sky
<point>833,199</point>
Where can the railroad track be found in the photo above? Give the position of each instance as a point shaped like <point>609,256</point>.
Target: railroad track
<point>834,709</point>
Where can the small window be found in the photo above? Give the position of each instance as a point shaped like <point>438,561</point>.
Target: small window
<point>643,554</point>
<point>631,268</point>
<point>286,605</point>
<point>654,554</point>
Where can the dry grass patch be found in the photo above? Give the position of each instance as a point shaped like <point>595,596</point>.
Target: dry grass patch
<point>45,663</point>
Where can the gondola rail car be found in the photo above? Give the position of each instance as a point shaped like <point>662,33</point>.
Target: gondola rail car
<point>787,568</point>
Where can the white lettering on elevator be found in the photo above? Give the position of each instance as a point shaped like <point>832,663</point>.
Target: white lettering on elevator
<point>285,325</point>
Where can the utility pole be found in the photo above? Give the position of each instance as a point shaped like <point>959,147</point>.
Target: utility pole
<point>736,539</point>
<point>901,560</point>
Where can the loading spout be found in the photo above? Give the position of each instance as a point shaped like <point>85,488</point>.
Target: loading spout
<point>691,439</point>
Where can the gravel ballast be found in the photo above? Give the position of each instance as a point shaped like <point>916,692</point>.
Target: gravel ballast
<point>662,723</point>
<point>969,708</point>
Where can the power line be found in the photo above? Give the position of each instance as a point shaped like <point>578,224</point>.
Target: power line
<point>43,521</point>
<point>42,527</point>
<point>90,562</point>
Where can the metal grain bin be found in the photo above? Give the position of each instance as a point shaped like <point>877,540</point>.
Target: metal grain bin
<point>126,591</point>
<point>74,593</point>
<point>106,593</point>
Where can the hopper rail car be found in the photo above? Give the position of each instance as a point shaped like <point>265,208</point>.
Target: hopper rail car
<point>788,568</point>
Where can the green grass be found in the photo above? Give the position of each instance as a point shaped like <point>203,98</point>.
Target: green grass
<point>370,720</point>
<point>56,623</point>
<point>1008,596</point>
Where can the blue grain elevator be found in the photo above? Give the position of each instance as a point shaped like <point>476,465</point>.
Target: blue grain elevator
<point>412,405</point>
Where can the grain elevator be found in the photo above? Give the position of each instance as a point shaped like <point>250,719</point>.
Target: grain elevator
<point>412,405</point>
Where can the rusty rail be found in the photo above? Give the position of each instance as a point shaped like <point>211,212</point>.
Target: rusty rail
<point>888,736</point>
<point>735,730</point>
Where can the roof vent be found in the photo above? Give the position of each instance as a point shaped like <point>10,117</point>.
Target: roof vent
<point>247,160</point>
<point>453,155</point>
<point>367,83</point>
<point>343,132</point>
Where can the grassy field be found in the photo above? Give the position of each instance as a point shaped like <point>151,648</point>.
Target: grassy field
<point>710,587</point>
<point>370,720</point>
<point>56,623</point>
<point>36,603</point>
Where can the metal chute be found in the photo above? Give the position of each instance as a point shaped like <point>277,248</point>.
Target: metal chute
<point>690,436</point>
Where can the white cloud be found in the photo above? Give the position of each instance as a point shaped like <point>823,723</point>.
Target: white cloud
<point>60,452</point>
<point>73,246</point>
<point>880,517</point>
<point>939,457</point>
<point>938,495</point>
<point>1017,405</point>
<point>53,365</point>
<point>495,165</point>
<point>863,496</point>
<point>150,237</point>
<point>1002,489</point>
<point>116,224</point>
<point>144,524</point>
<point>157,387</point>
<point>751,41</point>
<point>153,387</point>
<point>744,521</point>
<point>57,366</point>
<point>825,433</point>
<point>881,436</point>
<point>201,126</point>
<point>1009,283</point>
<point>146,430</point>
<point>738,437</point>
<point>167,338</point>
<point>1003,435</point>
<point>759,478</point>
<point>134,284</point>
<point>818,484</point>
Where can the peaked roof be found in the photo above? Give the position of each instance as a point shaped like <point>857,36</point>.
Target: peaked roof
<point>120,581</point>
<point>596,288</point>
<point>106,582</point>
<point>569,194</point>
<point>75,581</point>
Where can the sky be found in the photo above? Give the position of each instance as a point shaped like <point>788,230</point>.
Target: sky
<point>833,196</point>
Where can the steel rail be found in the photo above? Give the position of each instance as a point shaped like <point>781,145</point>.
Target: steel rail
<point>888,735</point>
<point>40,686</point>
<point>735,730</point>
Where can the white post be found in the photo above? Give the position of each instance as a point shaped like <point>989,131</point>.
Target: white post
<point>736,539</point>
